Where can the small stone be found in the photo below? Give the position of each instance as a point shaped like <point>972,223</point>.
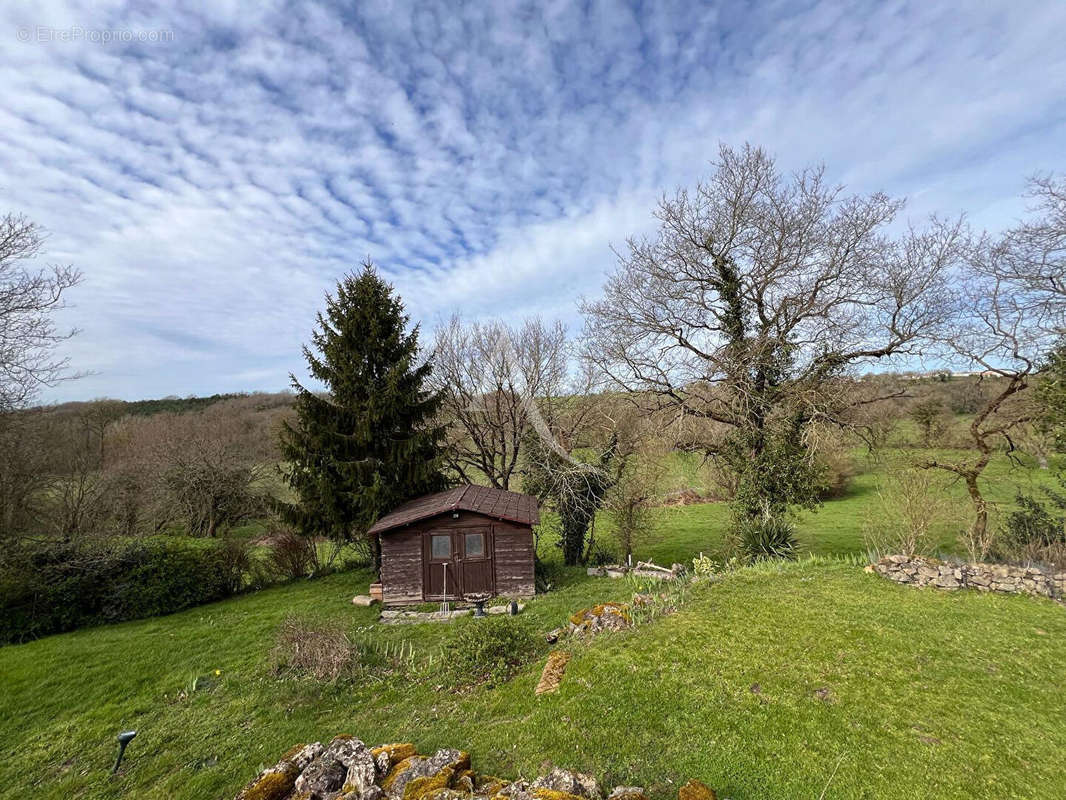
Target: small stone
<point>627,793</point>
<point>387,755</point>
<point>825,694</point>
<point>576,783</point>
<point>363,600</point>
<point>696,790</point>
<point>324,775</point>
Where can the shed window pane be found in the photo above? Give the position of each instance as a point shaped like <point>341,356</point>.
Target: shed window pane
<point>475,545</point>
<point>442,546</point>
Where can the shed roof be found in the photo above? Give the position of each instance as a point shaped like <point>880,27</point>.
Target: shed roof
<point>498,503</point>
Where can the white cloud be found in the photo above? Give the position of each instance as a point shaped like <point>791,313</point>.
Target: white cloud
<point>214,186</point>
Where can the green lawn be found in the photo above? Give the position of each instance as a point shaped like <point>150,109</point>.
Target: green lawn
<point>924,694</point>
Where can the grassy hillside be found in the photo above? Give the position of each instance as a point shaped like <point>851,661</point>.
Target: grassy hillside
<point>759,686</point>
<point>762,686</point>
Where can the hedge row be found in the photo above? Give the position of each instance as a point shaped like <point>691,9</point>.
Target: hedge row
<point>58,587</point>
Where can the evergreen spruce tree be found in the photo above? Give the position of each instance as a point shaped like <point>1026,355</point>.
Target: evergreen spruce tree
<point>370,442</point>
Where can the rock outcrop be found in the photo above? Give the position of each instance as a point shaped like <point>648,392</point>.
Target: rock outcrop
<point>602,617</point>
<point>346,769</point>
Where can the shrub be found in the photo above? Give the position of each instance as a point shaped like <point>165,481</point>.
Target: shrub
<point>931,418</point>
<point>318,650</point>
<point>546,575</point>
<point>768,537</point>
<point>1034,532</point>
<point>487,650</point>
<point>911,505</point>
<point>600,554</point>
<point>836,469</point>
<point>235,556</point>
<point>292,555</point>
<point>58,587</point>
<point>720,482</point>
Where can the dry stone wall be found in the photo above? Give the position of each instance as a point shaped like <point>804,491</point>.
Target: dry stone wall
<point>920,571</point>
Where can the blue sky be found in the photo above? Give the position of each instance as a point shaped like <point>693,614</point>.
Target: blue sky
<point>213,179</point>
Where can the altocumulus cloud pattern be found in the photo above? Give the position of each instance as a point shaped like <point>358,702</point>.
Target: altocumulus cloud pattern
<point>214,170</point>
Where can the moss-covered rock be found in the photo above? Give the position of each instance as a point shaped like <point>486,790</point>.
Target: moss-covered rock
<point>272,784</point>
<point>420,788</point>
<point>566,782</point>
<point>553,794</point>
<point>397,771</point>
<point>696,790</point>
<point>388,755</point>
<point>604,616</point>
<point>346,769</point>
<point>489,785</point>
<point>416,776</point>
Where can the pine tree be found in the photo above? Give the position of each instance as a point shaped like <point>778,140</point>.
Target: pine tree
<point>370,442</point>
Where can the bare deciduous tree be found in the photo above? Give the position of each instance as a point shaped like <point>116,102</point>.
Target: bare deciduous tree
<point>755,296</point>
<point>1010,311</point>
<point>28,298</point>
<point>204,473</point>
<point>493,378</point>
<point>1032,255</point>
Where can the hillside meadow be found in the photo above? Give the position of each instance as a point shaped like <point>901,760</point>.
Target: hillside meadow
<point>782,680</point>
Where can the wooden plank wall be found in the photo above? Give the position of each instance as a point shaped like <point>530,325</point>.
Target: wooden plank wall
<point>401,557</point>
<point>513,551</point>
<point>401,567</point>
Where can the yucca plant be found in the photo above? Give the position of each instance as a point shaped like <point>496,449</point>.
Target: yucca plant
<point>766,538</point>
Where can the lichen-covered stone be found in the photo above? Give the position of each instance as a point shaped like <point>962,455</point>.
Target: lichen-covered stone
<point>344,765</point>
<point>605,616</point>
<point>464,781</point>
<point>696,790</point>
<point>574,783</point>
<point>552,675</point>
<point>323,776</point>
<point>553,794</point>
<point>386,755</point>
<point>346,769</point>
<point>426,774</point>
<point>489,785</point>
<point>271,784</point>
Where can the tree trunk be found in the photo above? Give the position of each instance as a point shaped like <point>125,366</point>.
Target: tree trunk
<point>573,545</point>
<point>979,530</point>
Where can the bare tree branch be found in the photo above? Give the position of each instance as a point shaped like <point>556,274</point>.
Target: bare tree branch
<point>28,299</point>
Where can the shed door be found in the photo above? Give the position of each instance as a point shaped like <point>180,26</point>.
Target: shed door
<point>476,565</point>
<point>440,557</point>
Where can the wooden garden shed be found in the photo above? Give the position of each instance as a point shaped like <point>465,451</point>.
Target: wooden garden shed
<point>463,542</point>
